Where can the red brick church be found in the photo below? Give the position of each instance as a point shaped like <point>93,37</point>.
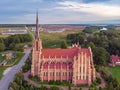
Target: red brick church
<point>74,64</point>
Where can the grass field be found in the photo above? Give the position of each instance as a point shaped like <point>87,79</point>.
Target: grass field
<point>3,36</point>
<point>53,40</point>
<point>2,58</point>
<point>115,72</point>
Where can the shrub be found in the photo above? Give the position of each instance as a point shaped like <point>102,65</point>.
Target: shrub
<point>30,76</point>
<point>98,80</point>
<point>54,88</point>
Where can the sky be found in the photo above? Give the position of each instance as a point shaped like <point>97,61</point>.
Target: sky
<point>60,11</point>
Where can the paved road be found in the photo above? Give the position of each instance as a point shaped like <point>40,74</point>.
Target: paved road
<point>9,77</point>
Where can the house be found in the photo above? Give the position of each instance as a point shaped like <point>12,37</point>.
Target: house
<point>115,60</point>
<point>10,55</point>
<point>26,47</point>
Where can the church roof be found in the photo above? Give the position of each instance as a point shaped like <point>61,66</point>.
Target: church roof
<point>64,53</point>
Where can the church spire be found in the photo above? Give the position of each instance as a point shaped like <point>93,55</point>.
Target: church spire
<point>37,27</point>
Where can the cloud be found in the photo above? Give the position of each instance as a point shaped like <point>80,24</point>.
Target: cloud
<point>59,11</point>
<point>91,8</point>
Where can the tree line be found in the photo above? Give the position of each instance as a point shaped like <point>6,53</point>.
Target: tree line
<point>14,42</point>
<point>103,43</point>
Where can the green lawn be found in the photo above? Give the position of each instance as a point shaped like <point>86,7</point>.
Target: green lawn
<point>2,70</point>
<point>2,58</point>
<point>115,72</point>
<point>18,59</point>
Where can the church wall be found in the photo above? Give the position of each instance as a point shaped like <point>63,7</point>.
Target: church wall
<point>57,71</point>
<point>76,66</point>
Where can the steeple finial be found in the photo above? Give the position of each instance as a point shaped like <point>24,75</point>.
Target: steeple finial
<point>37,26</point>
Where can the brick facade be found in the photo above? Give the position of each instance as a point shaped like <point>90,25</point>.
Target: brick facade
<point>74,64</point>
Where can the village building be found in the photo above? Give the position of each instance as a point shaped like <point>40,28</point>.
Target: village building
<point>115,60</point>
<point>74,64</point>
<point>10,55</point>
<point>26,47</point>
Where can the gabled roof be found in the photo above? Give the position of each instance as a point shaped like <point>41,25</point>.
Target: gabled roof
<point>64,53</point>
<point>114,58</point>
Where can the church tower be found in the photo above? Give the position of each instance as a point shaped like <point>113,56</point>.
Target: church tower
<point>73,64</point>
<point>36,53</point>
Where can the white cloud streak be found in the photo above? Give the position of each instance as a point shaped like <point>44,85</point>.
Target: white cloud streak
<point>91,8</point>
<point>66,11</point>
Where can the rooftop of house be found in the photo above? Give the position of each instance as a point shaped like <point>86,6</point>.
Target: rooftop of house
<point>114,58</point>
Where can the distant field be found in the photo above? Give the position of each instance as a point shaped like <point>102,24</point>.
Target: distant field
<point>53,40</point>
<point>115,72</point>
<point>118,28</point>
<point>3,36</point>
<point>11,28</point>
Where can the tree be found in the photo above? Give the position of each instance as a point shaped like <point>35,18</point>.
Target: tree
<point>1,40</point>
<point>98,80</point>
<point>63,44</point>
<point>110,86</point>
<point>100,56</point>
<point>90,29</point>
<point>2,47</point>
<point>19,47</point>
<point>12,46</point>
<point>16,39</point>
<point>91,44</point>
